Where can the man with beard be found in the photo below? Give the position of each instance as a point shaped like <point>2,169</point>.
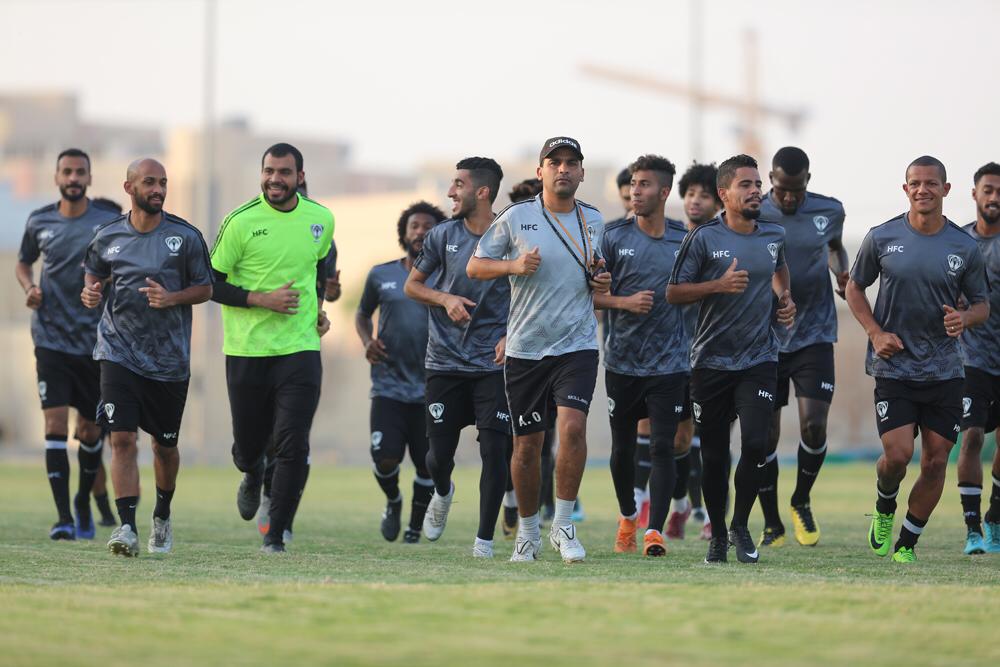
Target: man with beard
<point>64,333</point>
<point>813,226</point>
<point>981,395</point>
<point>155,267</point>
<point>546,248</point>
<point>646,352</point>
<point>734,266</point>
<point>465,350</point>
<point>924,264</point>
<point>270,251</point>
<point>396,354</point>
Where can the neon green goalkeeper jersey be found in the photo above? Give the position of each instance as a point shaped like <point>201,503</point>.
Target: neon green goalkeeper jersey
<point>261,249</point>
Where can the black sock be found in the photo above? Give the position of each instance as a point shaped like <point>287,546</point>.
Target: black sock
<point>694,480</point>
<point>57,467</point>
<point>126,510</point>
<point>89,458</point>
<point>643,464</point>
<point>492,480</point>
<point>286,487</point>
<point>103,505</point>
<point>971,496</point>
<point>993,513</point>
<point>810,461</point>
<point>885,502</point>
<point>662,480</point>
<point>298,499</point>
<point>746,483</point>
<point>268,475</point>
<point>441,460</point>
<point>623,469</point>
<point>715,477</point>
<point>389,483</point>
<point>163,498</point>
<point>683,465</point>
<point>910,532</point>
<point>423,489</point>
<point>768,493</point>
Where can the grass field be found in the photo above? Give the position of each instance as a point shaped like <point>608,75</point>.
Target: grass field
<point>343,596</point>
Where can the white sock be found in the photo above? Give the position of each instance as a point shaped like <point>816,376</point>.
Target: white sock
<point>485,543</point>
<point>510,499</point>
<point>528,527</point>
<point>706,521</point>
<point>682,504</point>
<point>564,510</point>
<point>639,495</point>
<point>631,518</point>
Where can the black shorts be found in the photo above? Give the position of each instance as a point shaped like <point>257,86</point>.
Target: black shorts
<point>536,387</point>
<point>936,406</point>
<point>130,401</point>
<point>812,371</point>
<point>394,427</point>
<point>980,400</point>
<point>717,395</point>
<point>68,379</point>
<point>457,400</point>
<point>631,398</point>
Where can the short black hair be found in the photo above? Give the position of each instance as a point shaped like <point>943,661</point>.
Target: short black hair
<point>417,207</point>
<point>727,170</point>
<point>929,161</point>
<point>526,189</point>
<point>484,171</point>
<point>73,152</point>
<point>792,160</point>
<point>624,178</point>
<point>705,175</point>
<point>988,169</point>
<point>281,150</point>
<point>663,167</point>
<point>109,204</point>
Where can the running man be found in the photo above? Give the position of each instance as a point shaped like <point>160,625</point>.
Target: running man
<point>924,264</point>
<point>155,266</point>
<point>396,354</point>
<point>547,249</point>
<point>981,396</point>
<point>813,227</point>
<point>735,267</point>
<point>270,265</point>
<point>468,325</point>
<point>64,333</point>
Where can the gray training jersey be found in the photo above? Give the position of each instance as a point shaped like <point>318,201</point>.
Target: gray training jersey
<point>62,322</point>
<point>469,347</point>
<point>402,327</point>
<point>981,345</point>
<point>734,331</point>
<point>552,310</point>
<point>818,221</point>
<point>918,274</point>
<point>655,343</point>
<point>155,343</point>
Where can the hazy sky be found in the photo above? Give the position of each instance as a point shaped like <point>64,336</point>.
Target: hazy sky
<point>411,81</point>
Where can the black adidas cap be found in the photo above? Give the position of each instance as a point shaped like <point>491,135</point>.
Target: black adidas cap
<point>555,143</point>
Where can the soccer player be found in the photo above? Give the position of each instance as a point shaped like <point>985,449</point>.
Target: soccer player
<point>64,333</point>
<point>468,325</point>
<point>924,264</point>
<point>981,395</point>
<point>813,226</point>
<point>396,354</point>
<point>269,261</point>
<point>734,266</point>
<point>700,196</point>
<point>155,267</point>
<point>546,246</point>
<point>646,352</point>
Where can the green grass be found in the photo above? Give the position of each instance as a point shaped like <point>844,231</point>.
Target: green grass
<point>344,596</point>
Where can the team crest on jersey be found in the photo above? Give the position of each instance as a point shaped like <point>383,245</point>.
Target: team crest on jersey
<point>436,410</point>
<point>174,243</point>
<point>696,411</point>
<point>821,222</point>
<point>882,408</point>
<point>966,406</point>
<point>376,439</point>
<point>955,262</point>
<point>611,407</point>
<point>43,390</point>
<point>317,232</point>
<point>109,412</point>
<point>773,249</point>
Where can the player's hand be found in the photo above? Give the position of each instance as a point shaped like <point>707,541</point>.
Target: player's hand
<point>886,344</point>
<point>34,297</point>
<point>527,263</point>
<point>322,323</point>
<point>375,351</point>
<point>733,281</point>
<point>842,279</point>
<point>501,352</point>
<point>333,287</point>
<point>640,303</point>
<point>284,300</point>
<point>157,295</point>
<point>91,295</point>
<point>601,281</point>
<point>457,308</point>
<point>954,321</point>
<point>786,310</point>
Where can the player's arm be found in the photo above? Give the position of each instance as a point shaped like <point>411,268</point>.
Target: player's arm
<point>733,281</point>
<point>976,289</point>
<point>884,343</point>
<point>492,257</point>
<point>284,300</point>
<point>839,264</point>
<point>25,275</point>
<point>781,285</point>
<point>93,288</point>
<point>639,303</point>
<point>456,306</point>
<point>159,297</point>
